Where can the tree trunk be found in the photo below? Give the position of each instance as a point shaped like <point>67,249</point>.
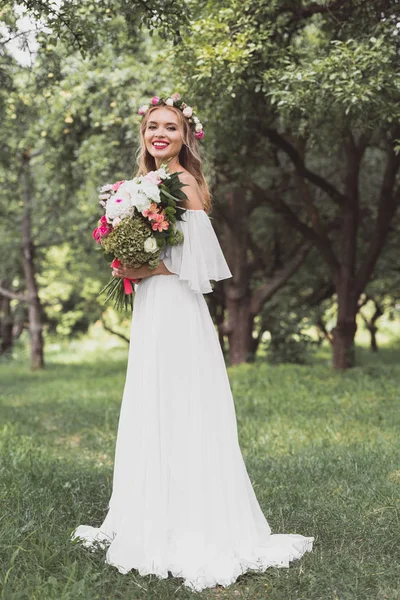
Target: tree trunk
<point>345,330</point>
<point>346,327</point>
<point>240,335</point>
<point>6,325</point>
<point>28,249</point>
<point>373,331</point>
<point>343,343</point>
<point>239,327</point>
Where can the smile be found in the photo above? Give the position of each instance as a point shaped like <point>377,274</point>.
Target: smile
<point>160,144</point>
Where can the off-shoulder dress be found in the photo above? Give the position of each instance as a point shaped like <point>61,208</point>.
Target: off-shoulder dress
<point>182,501</point>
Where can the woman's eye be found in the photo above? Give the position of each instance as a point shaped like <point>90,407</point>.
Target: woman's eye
<point>172,128</point>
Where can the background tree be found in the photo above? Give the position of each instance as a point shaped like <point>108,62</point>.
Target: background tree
<point>319,82</point>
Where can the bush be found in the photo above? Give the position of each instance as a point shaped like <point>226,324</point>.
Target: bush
<point>288,343</point>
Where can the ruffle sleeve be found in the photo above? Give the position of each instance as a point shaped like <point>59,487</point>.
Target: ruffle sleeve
<point>199,259</point>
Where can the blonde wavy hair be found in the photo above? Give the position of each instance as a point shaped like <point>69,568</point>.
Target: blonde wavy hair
<point>189,156</point>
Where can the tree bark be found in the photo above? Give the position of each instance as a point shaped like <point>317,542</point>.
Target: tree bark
<point>345,330</point>
<point>28,250</point>
<point>239,327</point>
<point>6,325</point>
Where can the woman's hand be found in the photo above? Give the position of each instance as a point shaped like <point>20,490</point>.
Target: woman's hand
<point>129,272</point>
<point>140,273</point>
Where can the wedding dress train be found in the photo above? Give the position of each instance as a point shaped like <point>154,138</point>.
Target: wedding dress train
<point>182,500</point>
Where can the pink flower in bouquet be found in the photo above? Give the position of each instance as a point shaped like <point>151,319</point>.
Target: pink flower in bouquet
<point>159,217</point>
<point>115,186</point>
<point>160,226</point>
<point>100,232</point>
<point>103,220</point>
<point>152,177</point>
<point>151,212</point>
<point>155,100</point>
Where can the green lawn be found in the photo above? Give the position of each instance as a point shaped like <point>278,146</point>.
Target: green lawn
<point>322,450</point>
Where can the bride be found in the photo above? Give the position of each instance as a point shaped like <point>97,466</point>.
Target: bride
<point>182,501</point>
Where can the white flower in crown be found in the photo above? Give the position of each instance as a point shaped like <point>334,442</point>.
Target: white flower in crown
<point>187,112</point>
<point>176,101</point>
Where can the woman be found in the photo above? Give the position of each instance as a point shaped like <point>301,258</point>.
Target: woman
<point>182,501</point>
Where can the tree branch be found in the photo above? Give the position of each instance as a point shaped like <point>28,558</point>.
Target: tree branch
<point>13,295</point>
<point>387,206</point>
<point>279,279</point>
<point>110,330</point>
<point>298,162</point>
<point>279,206</point>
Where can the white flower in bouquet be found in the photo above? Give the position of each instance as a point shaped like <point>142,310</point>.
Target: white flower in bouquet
<point>119,205</point>
<point>143,192</point>
<point>151,190</point>
<point>162,173</point>
<point>150,245</point>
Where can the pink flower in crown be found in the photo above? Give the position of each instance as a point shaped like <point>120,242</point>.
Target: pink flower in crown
<point>175,96</point>
<point>160,226</point>
<point>199,134</point>
<point>152,177</point>
<point>115,186</point>
<point>143,110</point>
<point>155,100</point>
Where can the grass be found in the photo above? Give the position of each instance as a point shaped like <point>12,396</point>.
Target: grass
<point>321,448</point>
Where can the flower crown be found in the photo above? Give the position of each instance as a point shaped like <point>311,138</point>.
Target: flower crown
<point>187,111</point>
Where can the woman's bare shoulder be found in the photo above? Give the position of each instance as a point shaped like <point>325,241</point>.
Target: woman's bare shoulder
<point>192,191</point>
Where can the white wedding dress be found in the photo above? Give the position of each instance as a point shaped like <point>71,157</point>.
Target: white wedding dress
<point>182,500</point>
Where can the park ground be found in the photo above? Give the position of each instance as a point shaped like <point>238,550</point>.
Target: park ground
<point>321,448</point>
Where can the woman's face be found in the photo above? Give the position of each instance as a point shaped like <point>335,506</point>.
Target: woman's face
<point>162,136</point>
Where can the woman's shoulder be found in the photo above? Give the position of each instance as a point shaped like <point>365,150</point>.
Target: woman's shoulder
<point>192,190</point>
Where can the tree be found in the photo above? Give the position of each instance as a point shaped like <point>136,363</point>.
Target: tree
<point>319,82</point>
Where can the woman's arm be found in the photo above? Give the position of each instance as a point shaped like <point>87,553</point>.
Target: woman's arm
<point>140,273</point>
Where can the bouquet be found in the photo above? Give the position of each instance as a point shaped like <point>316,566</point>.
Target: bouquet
<point>140,219</point>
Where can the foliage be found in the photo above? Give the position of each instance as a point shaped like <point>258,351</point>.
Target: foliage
<point>288,343</point>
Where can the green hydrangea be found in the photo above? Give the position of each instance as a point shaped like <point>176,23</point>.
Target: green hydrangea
<point>126,242</point>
